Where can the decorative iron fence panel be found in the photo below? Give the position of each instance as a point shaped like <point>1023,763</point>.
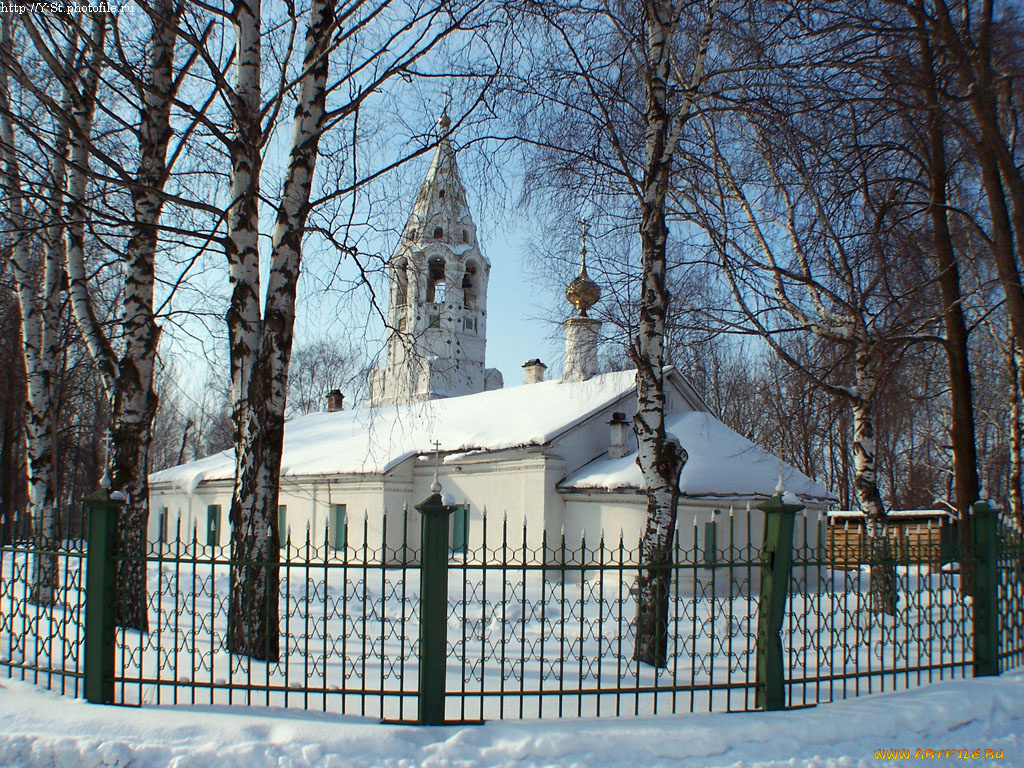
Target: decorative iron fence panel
<point>1011,598</point>
<point>348,622</point>
<point>42,612</point>
<point>549,631</point>
<point>533,630</point>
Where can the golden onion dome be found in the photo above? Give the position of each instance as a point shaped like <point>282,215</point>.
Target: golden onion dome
<point>582,292</point>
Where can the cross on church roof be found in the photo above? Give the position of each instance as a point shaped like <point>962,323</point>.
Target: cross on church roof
<point>435,487</point>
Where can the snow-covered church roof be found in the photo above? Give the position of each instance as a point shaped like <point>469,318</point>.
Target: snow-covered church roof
<point>721,463</point>
<point>374,440</point>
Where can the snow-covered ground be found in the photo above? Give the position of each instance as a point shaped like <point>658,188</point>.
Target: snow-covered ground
<point>39,728</point>
<point>520,645</point>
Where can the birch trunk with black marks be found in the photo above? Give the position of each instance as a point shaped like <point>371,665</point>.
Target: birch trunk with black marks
<point>83,107</point>
<point>261,348</point>
<point>882,586</point>
<point>39,309</point>
<point>660,459</point>
<point>135,401</point>
<point>128,379</point>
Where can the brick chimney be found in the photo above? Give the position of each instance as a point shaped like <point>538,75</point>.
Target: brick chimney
<point>335,401</point>
<point>533,371</point>
<point>618,441</point>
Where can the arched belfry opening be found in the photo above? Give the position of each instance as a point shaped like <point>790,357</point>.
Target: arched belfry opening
<point>435,280</point>
<point>401,282</point>
<point>471,286</point>
<point>438,233</point>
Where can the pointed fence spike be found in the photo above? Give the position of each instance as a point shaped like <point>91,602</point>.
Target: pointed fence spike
<point>732,510</point>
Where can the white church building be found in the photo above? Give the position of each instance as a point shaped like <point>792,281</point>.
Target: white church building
<point>547,455</point>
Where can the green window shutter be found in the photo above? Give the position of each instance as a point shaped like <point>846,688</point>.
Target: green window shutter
<point>710,541</point>
<point>460,529</point>
<point>338,525</point>
<point>213,525</point>
<point>282,524</point>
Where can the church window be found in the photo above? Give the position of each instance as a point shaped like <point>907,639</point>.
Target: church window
<point>710,541</point>
<point>434,320</point>
<point>401,283</point>
<point>435,280</point>
<point>338,526</point>
<point>162,530</point>
<point>469,286</point>
<point>471,324</point>
<point>282,524</point>
<point>460,530</point>
<point>213,525</point>
<point>438,233</point>
<point>440,193</point>
<point>465,236</point>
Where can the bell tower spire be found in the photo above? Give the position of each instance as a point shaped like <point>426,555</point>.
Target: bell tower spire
<point>437,313</point>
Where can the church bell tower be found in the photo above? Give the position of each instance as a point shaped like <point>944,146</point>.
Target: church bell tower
<point>437,309</point>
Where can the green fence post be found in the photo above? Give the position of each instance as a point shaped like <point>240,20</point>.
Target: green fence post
<point>433,608</point>
<point>776,560</point>
<point>985,610</point>
<point>102,512</point>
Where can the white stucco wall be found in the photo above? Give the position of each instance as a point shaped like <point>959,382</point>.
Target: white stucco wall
<point>591,515</point>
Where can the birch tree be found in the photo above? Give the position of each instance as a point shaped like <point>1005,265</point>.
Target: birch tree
<point>660,456</point>
<point>604,97</point>
<point>33,227</point>
<point>126,356</point>
<point>260,346</point>
<point>372,44</point>
<point>824,261</point>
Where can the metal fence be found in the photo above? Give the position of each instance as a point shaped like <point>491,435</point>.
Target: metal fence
<point>520,630</point>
